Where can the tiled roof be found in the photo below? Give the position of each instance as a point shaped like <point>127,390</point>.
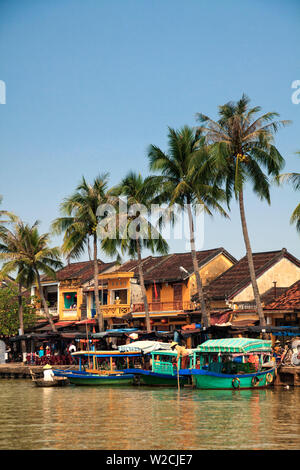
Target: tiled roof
<point>169,269</point>
<point>88,273</point>
<point>83,270</point>
<point>220,318</point>
<point>147,263</point>
<point>272,294</point>
<point>237,277</point>
<point>290,300</point>
<point>166,268</point>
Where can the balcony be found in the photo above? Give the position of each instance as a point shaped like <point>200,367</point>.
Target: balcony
<point>115,310</point>
<point>52,311</point>
<point>173,306</point>
<point>69,313</point>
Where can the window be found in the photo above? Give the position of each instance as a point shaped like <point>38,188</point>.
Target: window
<point>70,300</point>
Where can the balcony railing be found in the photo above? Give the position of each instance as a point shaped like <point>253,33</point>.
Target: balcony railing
<point>52,311</point>
<point>115,310</point>
<point>164,306</point>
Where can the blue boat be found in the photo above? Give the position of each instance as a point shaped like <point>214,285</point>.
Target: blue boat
<point>103,368</point>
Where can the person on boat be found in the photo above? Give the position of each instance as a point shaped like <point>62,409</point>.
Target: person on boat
<point>253,359</point>
<point>48,373</point>
<point>72,348</point>
<point>182,352</point>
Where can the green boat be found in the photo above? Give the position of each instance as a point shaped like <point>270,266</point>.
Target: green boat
<point>234,363</point>
<point>164,372</point>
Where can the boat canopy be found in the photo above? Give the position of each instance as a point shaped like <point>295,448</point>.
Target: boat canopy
<point>144,346</point>
<point>235,345</point>
<point>106,354</point>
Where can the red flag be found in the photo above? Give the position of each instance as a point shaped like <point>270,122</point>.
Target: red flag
<point>155,291</point>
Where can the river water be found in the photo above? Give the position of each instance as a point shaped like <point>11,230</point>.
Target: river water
<point>137,418</point>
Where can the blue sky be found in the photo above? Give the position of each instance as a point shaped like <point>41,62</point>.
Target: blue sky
<point>90,84</point>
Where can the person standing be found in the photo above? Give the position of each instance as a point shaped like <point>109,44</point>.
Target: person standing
<point>182,352</point>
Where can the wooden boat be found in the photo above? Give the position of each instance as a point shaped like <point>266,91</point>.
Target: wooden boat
<point>164,369</point>
<point>224,364</point>
<point>39,381</point>
<point>103,368</point>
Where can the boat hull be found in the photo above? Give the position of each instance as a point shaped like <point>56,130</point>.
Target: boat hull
<point>161,380</point>
<point>203,379</point>
<point>86,378</point>
<point>57,382</point>
<point>93,379</point>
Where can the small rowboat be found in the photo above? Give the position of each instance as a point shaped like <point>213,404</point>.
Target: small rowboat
<point>39,381</point>
<point>56,382</point>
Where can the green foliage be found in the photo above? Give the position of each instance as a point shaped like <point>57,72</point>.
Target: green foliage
<point>9,307</point>
<point>135,227</point>
<point>187,175</point>
<point>242,148</point>
<point>294,180</point>
<point>79,216</point>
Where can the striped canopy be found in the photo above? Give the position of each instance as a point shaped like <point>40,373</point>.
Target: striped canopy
<point>235,345</point>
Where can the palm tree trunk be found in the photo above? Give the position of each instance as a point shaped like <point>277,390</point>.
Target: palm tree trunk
<point>142,284</point>
<point>96,287</point>
<point>43,300</point>
<point>21,322</point>
<point>205,316</point>
<point>259,308</point>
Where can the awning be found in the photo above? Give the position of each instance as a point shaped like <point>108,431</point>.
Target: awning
<point>235,345</point>
<point>87,321</point>
<point>144,346</point>
<point>63,324</point>
<point>59,324</point>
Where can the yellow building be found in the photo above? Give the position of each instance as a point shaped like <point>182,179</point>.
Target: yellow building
<point>170,285</point>
<point>275,272</point>
<point>65,295</point>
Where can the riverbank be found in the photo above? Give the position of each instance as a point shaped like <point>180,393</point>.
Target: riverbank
<point>18,370</point>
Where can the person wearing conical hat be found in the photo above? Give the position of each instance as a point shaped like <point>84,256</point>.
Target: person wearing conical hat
<point>48,373</point>
<point>182,352</point>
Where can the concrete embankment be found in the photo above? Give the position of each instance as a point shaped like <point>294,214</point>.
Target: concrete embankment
<point>17,370</point>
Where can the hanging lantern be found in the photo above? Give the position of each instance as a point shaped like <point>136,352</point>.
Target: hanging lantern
<point>163,320</point>
<point>68,296</point>
<point>151,322</point>
<point>75,296</point>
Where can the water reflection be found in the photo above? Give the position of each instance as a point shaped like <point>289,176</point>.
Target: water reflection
<point>146,418</point>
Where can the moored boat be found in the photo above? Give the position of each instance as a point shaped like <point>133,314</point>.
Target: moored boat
<point>102,368</point>
<point>164,371</point>
<point>234,363</point>
<point>39,380</point>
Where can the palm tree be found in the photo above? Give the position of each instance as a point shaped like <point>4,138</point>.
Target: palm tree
<point>79,225</point>
<point>294,179</point>
<point>10,217</point>
<point>135,230</point>
<point>241,145</point>
<point>28,253</point>
<point>187,180</point>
